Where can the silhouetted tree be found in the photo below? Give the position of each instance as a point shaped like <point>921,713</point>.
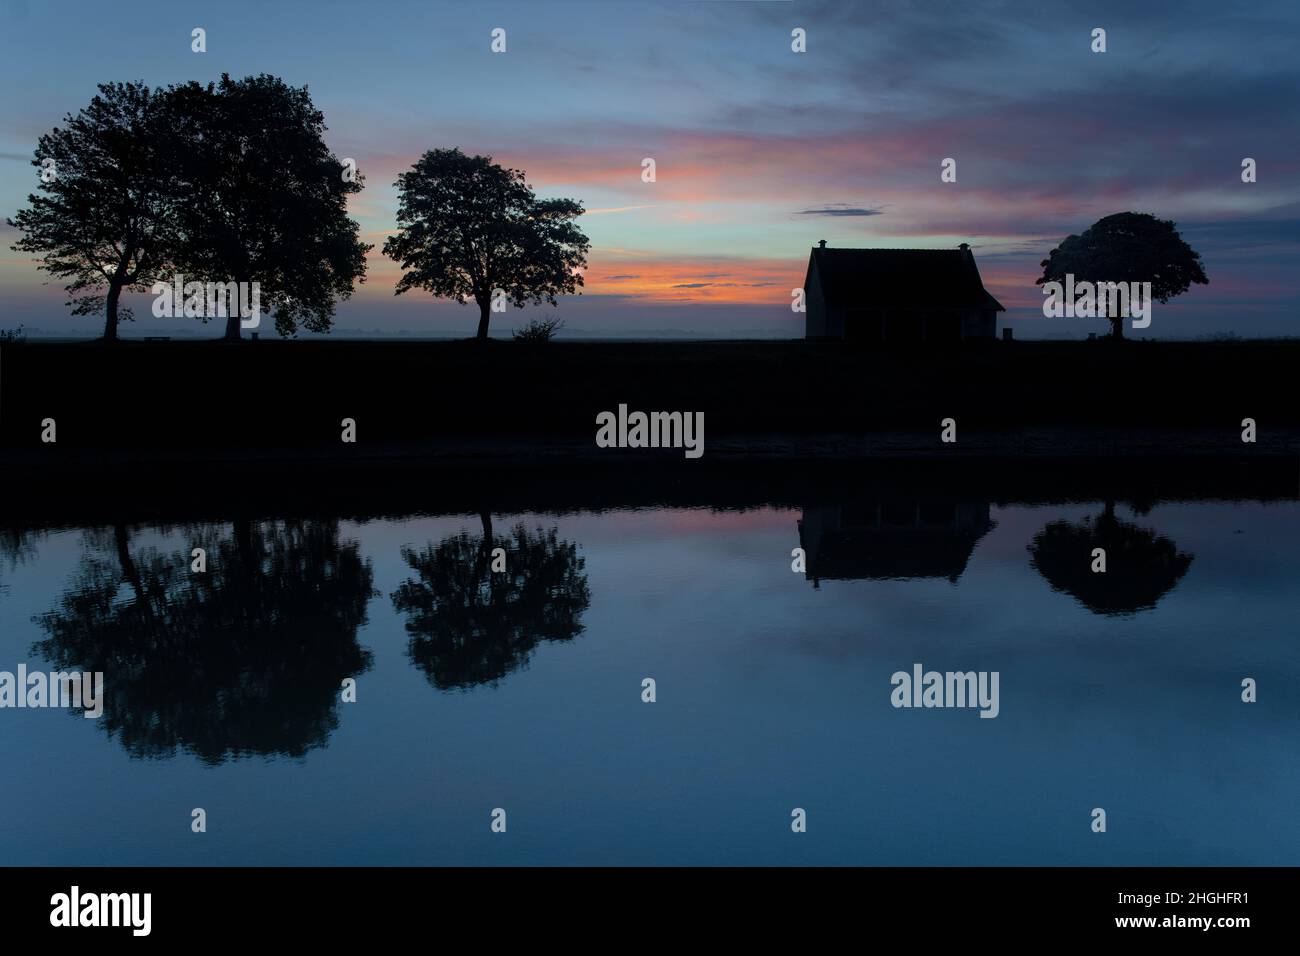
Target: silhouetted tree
<point>266,200</point>
<point>1127,247</point>
<point>470,625</point>
<point>246,658</point>
<point>106,218</point>
<point>467,226</point>
<point>1141,565</point>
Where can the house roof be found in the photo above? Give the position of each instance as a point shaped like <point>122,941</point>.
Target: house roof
<point>901,278</point>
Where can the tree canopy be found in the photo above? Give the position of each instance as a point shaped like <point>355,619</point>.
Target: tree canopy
<point>1128,247</point>
<point>265,200</point>
<point>468,226</point>
<point>106,219</point>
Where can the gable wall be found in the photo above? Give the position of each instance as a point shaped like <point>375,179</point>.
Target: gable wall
<point>815,326</point>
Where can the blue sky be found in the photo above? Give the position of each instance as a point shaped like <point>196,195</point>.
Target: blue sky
<point>760,151</point>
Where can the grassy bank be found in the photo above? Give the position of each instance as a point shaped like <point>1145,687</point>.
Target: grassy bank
<point>293,395</point>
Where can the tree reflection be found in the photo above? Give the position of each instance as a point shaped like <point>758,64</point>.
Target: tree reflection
<point>17,546</point>
<point>245,658</point>
<point>471,625</point>
<point>1142,566</point>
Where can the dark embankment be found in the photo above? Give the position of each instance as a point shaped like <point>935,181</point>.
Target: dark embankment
<point>151,431</point>
<point>252,401</point>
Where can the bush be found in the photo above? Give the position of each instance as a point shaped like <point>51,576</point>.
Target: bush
<point>538,330</point>
<point>13,335</point>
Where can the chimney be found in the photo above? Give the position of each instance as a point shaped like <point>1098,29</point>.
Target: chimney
<point>821,244</point>
<point>965,248</point>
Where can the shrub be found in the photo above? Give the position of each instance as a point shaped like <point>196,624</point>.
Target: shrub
<point>538,330</point>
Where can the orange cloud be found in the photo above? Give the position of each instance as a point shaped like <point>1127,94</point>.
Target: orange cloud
<point>680,279</point>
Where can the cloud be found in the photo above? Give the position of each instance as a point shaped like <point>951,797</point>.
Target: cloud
<point>839,209</point>
<point>613,209</point>
<point>722,285</point>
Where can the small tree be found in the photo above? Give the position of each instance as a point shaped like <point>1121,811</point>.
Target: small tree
<point>1127,247</point>
<point>266,200</point>
<point>467,227</point>
<point>106,218</point>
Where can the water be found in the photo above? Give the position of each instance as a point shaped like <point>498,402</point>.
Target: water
<point>773,689</point>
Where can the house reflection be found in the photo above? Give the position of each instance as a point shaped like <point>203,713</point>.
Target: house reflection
<point>895,538</point>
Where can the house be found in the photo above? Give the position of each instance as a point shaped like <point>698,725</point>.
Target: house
<point>897,295</point>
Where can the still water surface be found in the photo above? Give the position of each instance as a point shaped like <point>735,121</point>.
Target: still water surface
<point>523,690</point>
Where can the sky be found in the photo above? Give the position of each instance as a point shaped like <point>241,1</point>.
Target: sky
<point>759,151</point>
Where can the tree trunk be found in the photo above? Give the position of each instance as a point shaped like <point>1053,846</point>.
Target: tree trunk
<point>242,531</point>
<point>481,566</point>
<point>484,313</point>
<point>1116,320</point>
<point>247,573</point>
<point>122,542</point>
<point>110,312</point>
<point>232,326</point>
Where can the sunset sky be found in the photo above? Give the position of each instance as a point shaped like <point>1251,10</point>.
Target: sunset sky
<point>760,151</point>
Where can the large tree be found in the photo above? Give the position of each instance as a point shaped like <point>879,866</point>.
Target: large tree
<point>105,219</point>
<point>1127,247</point>
<point>266,201</point>
<point>467,226</point>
